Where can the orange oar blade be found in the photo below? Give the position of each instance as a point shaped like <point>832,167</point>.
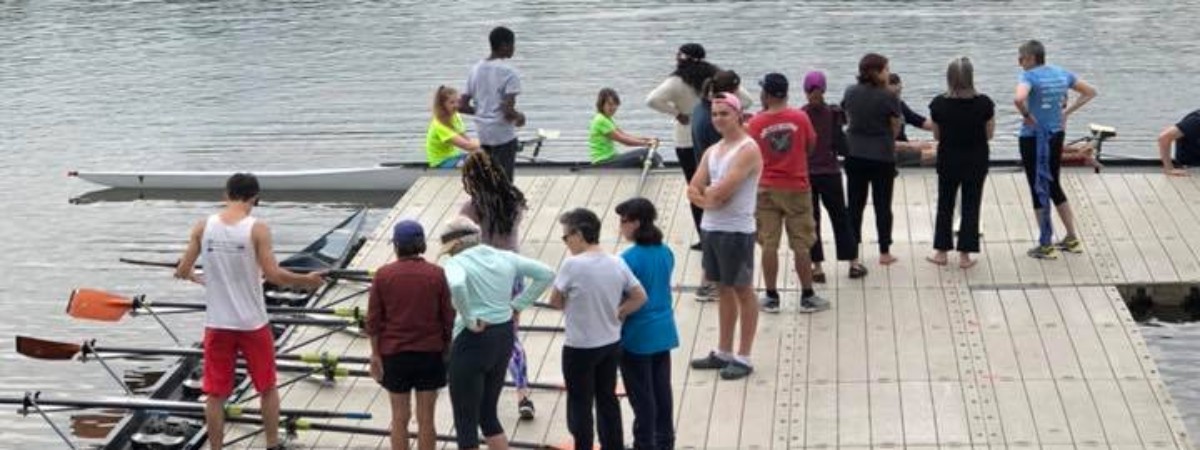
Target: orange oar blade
<point>98,305</point>
<point>43,349</point>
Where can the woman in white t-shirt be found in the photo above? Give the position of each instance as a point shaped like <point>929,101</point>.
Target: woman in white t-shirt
<point>596,291</point>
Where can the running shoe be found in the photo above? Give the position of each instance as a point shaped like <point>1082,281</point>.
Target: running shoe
<point>1070,244</point>
<point>710,362</point>
<point>813,304</point>
<point>735,370</point>
<point>1043,252</point>
<point>769,304</point>
<point>525,409</point>
<point>707,292</point>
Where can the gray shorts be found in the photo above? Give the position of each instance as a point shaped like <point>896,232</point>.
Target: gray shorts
<point>728,258</point>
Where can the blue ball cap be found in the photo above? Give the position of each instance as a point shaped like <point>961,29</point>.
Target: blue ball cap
<point>407,232</point>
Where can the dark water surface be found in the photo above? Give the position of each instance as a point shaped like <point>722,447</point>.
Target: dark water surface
<point>192,85</point>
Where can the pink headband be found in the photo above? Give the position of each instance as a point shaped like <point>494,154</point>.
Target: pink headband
<point>729,99</point>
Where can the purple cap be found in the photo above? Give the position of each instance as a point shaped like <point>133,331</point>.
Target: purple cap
<point>814,80</point>
<point>407,232</point>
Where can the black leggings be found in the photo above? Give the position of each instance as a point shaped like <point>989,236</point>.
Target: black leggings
<point>478,362</point>
<point>827,189</point>
<point>968,226</point>
<point>878,177</point>
<point>591,378</point>
<point>688,162</point>
<point>504,155</point>
<point>1028,147</point>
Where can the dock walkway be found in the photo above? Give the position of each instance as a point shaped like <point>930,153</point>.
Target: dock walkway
<point>1013,353</point>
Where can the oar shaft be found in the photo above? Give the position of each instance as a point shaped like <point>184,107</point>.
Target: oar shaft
<point>174,406</point>
<point>308,358</point>
<point>270,309</point>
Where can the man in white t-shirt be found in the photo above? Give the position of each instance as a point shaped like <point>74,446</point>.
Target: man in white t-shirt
<point>596,291</point>
<point>491,96</point>
<point>237,254</point>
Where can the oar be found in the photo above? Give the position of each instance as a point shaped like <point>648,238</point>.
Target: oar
<point>31,399</point>
<point>355,274</point>
<point>94,304</point>
<point>54,350</point>
<point>293,425</point>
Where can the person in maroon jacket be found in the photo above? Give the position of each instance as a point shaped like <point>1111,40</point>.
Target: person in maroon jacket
<point>410,320</point>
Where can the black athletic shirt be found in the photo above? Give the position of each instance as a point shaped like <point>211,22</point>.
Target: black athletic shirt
<point>1187,148</point>
<point>962,122</point>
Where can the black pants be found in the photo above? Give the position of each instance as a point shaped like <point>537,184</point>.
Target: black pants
<point>827,189</point>
<point>648,384</point>
<point>879,177</point>
<point>688,162</point>
<point>504,155</point>
<point>968,225</point>
<point>1028,147</point>
<point>591,379</point>
<point>478,362</point>
<point>631,158</point>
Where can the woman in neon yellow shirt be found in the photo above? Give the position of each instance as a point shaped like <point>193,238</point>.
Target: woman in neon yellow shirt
<point>604,133</point>
<point>447,131</point>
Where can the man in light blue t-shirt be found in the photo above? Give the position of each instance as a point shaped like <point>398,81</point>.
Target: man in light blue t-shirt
<point>1042,92</point>
<point>491,96</point>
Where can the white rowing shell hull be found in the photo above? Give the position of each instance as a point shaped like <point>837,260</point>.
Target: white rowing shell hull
<point>352,179</point>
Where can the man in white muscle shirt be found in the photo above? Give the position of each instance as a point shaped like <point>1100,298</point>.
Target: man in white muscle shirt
<point>726,186</point>
<point>237,254</point>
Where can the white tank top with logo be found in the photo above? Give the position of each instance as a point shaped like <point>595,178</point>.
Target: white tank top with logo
<point>737,214</point>
<point>232,277</point>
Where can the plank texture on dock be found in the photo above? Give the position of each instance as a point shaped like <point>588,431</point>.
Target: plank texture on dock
<point>1014,353</point>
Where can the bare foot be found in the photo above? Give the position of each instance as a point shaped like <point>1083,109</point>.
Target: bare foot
<point>887,259</point>
<point>938,259</point>
<point>967,263</point>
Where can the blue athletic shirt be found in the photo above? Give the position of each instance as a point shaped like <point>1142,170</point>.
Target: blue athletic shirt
<point>1048,86</point>
<point>652,328</point>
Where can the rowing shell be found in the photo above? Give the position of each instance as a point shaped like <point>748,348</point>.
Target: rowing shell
<point>378,178</point>
<point>392,176</point>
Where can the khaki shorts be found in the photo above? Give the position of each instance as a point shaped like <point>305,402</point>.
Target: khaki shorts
<point>778,209</point>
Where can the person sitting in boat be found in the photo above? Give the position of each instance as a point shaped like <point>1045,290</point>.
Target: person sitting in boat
<point>604,133</point>
<point>446,142</point>
<point>1186,135</point>
<point>409,320</point>
<point>237,258</point>
<point>911,153</point>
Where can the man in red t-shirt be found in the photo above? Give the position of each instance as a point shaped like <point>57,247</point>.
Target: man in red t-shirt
<point>785,136</point>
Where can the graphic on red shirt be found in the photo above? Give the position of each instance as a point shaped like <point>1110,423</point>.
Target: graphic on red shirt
<point>784,138</point>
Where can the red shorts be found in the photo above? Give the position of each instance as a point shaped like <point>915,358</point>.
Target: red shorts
<point>221,348</point>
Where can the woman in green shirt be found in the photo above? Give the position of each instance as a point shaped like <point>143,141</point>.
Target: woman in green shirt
<point>447,131</point>
<point>604,133</point>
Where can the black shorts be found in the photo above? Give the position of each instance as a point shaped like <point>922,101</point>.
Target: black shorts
<point>407,371</point>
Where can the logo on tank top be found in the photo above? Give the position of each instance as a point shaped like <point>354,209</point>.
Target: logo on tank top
<point>215,246</point>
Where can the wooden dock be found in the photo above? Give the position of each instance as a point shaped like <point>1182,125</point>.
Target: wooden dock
<point>1013,353</point>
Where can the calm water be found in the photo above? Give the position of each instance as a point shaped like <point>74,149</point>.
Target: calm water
<point>258,85</point>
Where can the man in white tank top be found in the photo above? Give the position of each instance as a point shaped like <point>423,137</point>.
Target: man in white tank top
<point>237,257</point>
<point>726,186</point>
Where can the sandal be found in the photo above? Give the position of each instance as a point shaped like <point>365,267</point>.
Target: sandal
<point>857,270</point>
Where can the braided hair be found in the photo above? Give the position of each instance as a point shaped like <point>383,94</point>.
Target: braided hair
<point>495,199</point>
